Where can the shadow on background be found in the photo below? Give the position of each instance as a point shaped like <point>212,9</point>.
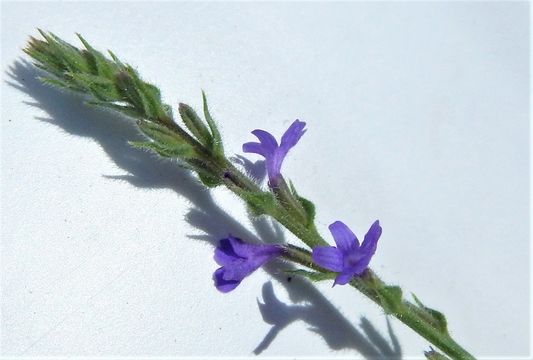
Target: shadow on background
<point>112,131</point>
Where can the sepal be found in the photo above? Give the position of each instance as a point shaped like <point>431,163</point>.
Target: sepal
<point>433,317</point>
<point>218,147</point>
<point>195,125</point>
<point>209,180</point>
<point>391,298</point>
<point>165,141</point>
<point>307,206</point>
<point>259,203</point>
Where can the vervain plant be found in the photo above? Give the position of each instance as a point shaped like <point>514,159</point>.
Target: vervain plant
<point>196,144</point>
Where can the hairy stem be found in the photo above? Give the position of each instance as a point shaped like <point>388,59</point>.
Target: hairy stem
<point>375,289</point>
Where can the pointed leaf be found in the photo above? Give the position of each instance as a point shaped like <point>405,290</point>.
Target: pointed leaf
<point>259,202</point>
<point>209,181</point>
<point>180,152</point>
<point>217,139</point>
<point>195,125</point>
<point>434,317</point>
<point>391,298</point>
<point>127,89</point>
<point>167,141</point>
<point>307,205</point>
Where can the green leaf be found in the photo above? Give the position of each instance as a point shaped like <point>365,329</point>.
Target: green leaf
<point>181,152</point>
<point>150,97</point>
<point>434,317</point>
<point>391,298</point>
<point>56,83</point>
<point>126,87</point>
<point>307,205</point>
<point>97,61</point>
<point>106,80</point>
<point>217,139</point>
<point>71,57</point>
<point>168,110</point>
<point>259,202</point>
<point>145,97</point>
<point>208,180</point>
<point>166,140</point>
<point>312,275</point>
<point>195,125</point>
<point>101,88</point>
<point>309,208</point>
<point>124,108</point>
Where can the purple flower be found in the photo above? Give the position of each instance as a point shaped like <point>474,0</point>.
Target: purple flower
<point>348,258</point>
<point>238,260</point>
<point>272,152</point>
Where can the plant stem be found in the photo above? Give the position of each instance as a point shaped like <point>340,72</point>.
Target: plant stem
<point>373,287</point>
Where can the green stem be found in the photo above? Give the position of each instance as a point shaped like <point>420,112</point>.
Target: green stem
<point>238,183</point>
<point>288,201</point>
<point>369,284</point>
<point>376,290</point>
<point>410,314</point>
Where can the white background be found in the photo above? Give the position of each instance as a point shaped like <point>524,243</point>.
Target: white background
<point>417,115</point>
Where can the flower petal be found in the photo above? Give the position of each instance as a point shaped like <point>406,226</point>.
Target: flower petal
<point>240,248</point>
<point>267,140</point>
<point>328,257</point>
<point>248,250</point>
<point>370,242</point>
<point>360,266</point>
<point>344,277</point>
<point>224,253</point>
<point>240,269</point>
<point>255,148</point>
<point>224,285</point>
<point>292,135</point>
<point>344,237</point>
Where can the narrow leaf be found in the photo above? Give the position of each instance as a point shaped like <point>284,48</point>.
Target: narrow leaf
<point>307,205</point>
<point>208,180</point>
<point>434,317</point>
<point>217,139</point>
<point>166,140</point>
<point>195,125</point>
<point>259,202</point>
<point>391,298</point>
<point>181,152</point>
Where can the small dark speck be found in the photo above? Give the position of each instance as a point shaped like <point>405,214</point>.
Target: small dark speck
<point>31,292</point>
<point>219,328</point>
<point>289,279</point>
<point>9,120</point>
